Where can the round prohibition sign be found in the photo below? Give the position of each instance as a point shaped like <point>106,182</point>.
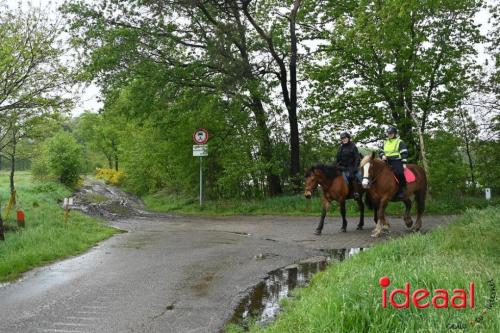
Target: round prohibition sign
<point>200,136</point>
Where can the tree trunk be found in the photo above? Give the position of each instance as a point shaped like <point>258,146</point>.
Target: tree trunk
<point>423,153</point>
<point>289,97</point>
<point>13,161</point>
<point>467,148</point>
<point>266,151</point>
<point>292,111</point>
<point>116,162</point>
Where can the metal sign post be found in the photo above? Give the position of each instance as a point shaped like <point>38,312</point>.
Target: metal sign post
<point>201,181</point>
<point>200,137</point>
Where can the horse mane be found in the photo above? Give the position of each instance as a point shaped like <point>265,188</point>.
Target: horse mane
<point>375,161</point>
<point>369,158</point>
<point>330,171</point>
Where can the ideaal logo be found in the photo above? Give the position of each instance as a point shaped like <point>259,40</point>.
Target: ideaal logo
<point>440,298</point>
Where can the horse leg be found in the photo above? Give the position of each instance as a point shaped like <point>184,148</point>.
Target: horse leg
<point>420,200</point>
<point>324,209</point>
<point>342,212</point>
<point>381,219</point>
<point>361,207</point>
<point>407,216</point>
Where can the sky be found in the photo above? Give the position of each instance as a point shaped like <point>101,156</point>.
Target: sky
<point>88,96</point>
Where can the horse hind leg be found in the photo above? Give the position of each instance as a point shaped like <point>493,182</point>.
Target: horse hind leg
<point>407,216</point>
<point>420,200</point>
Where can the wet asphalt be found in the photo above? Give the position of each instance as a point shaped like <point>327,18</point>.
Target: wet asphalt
<point>172,273</point>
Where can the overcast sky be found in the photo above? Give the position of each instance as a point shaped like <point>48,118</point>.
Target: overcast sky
<point>88,96</point>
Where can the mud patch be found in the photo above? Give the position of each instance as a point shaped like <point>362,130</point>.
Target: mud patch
<point>98,199</point>
<point>262,304</point>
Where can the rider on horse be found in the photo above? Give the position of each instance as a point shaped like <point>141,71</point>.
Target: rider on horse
<point>396,153</point>
<point>348,159</point>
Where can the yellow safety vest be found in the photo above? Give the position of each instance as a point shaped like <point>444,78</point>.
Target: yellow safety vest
<point>391,148</point>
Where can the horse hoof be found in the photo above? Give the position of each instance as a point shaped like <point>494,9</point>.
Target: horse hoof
<point>343,230</point>
<point>317,232</point>
<point>359,227</point>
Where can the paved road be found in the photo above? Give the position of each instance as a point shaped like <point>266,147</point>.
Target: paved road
<point>169,273</point>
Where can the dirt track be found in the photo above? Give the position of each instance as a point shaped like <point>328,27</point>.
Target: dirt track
<point>169,273</point>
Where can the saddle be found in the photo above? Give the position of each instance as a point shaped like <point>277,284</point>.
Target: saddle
<point>409,176</point>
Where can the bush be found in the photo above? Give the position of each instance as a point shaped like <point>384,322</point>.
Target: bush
<point>63,158</point>
<point>111,176</point>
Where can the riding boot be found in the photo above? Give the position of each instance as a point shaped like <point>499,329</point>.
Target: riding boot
<point>402,189</point>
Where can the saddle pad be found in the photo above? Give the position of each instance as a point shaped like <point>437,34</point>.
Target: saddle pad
<point>409,175</point>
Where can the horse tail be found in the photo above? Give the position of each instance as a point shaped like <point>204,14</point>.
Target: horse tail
<point>421,195</point>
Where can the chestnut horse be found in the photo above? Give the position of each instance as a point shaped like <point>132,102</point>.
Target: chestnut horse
<point>381,187</point>
<point>334,187</point>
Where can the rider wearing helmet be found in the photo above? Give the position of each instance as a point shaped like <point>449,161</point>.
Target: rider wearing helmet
<point>395,153</point>
<point>348,159</point>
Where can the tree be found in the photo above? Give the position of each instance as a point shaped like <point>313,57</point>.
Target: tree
<point>100,134</point>
<point>33,78</point>
<point>395,62</point>
<point>239,50</point>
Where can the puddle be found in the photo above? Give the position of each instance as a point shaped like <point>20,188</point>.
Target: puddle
<point>263,302</point>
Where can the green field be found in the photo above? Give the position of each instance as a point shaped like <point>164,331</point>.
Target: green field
<point>46,236</point>
<point>299,206</point>
<point>347,297</point>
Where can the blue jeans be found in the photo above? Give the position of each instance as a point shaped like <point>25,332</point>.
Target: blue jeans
<point>348,175</point>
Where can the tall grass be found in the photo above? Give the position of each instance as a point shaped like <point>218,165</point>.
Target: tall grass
<point>299,206</point>
<point>347,296</point>
<point>46,236</point>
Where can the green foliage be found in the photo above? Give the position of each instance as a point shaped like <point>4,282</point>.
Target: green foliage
<point>382,55</point>
<point>448,171</point>
<point>487,164</point>
<point>99,134</point>
<point>61,155</point>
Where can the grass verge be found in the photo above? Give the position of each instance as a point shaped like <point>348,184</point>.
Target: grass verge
<point>46,236</point>
<point>299,206</point>
<point>347,296</point>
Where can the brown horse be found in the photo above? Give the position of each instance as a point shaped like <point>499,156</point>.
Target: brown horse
<point>334,188</point>
<point>381,187</point>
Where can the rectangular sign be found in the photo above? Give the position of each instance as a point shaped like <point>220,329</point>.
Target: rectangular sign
<point>200,150</point>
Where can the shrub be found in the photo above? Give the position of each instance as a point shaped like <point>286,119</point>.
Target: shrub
<point>111,176</point>
<point>64,159</point>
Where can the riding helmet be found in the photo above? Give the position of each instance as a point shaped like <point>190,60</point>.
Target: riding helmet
<point>345,135</point>
<point>391,130</point>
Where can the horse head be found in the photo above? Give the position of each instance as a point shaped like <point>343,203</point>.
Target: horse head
<point>366,170</point>
<point>311,180</point>
<point>320,174</point>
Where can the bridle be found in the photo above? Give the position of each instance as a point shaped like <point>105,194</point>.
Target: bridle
<point>369,182</point>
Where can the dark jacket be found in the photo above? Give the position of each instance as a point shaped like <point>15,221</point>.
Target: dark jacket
<point>348,156</point>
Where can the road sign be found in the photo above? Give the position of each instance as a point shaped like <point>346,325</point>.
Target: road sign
<point>200,136</point>
<point>200,150</point>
